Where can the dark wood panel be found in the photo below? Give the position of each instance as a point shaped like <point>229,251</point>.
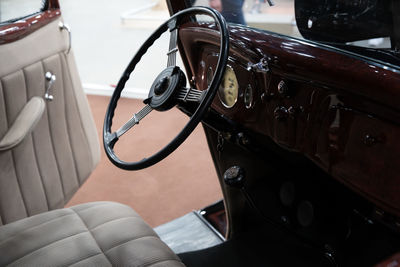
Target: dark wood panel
<point>363,152</point>
<point>341,110</point>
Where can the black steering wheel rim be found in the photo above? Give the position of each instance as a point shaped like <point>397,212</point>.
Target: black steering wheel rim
<point>173,22</point>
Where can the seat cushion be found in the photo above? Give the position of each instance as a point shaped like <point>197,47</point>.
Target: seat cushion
<point>91,234</point>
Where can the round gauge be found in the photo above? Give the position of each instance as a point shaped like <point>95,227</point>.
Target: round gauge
<point>228,90</point>
<point>248,97</point>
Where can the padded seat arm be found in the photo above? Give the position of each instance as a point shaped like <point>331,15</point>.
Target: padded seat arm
<point>24,123</point>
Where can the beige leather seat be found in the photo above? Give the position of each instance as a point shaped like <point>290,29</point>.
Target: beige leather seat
<point>92,234</point>
<point>47,150</point>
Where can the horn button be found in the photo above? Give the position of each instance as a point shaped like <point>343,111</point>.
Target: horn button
<point>164,87</point>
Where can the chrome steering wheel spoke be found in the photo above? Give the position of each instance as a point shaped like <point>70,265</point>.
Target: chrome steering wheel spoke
<point>173,49</point>
<point>190,95</point>
<point>136,118</point>
<point>112,138</point>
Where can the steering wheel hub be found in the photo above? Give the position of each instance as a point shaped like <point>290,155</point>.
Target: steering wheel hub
<point>164,87</point>
<point>161,86</point>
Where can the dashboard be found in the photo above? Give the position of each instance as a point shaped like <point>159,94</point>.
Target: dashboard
<point>338,110</point>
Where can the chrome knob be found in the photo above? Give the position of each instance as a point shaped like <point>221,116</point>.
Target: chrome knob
<point>281,113</point>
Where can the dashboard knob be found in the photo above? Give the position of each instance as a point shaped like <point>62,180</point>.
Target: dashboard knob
<point>293,111</point>
<point>234,176</point>
<point>369,140</point>
<point>283,89</point>
<point>281,113</point>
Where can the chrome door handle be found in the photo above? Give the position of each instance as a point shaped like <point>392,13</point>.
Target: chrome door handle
<point>63,26</point>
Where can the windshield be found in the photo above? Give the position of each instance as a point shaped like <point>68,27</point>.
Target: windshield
<point>364,27</point>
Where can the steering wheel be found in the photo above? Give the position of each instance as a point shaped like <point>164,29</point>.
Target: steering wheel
<point>167,90</point>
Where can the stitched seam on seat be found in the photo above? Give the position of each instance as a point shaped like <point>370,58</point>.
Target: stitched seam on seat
<point>67,122</point>
<point>86,139</point>
<point>100,205</point>
<point>130,240</point>
<point>159,261</point>
<point>30,228</point>
<point>12,156</point>
<point>2,217</point>
<point>17,176</point>
<point>101,249</point>
<point>34,149</point>
<point>85,258</point>
<point>19,183</point>
<point>42,247</point>
<point>52,144</point>
<point>117,244</point>
<point>93,205</point>
<point>40,173</point>
<point>150,260</point>
<point>113,220</point>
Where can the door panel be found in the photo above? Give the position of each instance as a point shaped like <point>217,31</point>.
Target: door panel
<point>48,166</point>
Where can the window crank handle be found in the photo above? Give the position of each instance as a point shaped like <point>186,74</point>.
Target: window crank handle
<point>50,78</point>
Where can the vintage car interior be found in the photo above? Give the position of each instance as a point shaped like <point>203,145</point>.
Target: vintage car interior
<point>302,132</point>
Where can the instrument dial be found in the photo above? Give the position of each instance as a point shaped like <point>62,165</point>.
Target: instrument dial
<point>229,88</point>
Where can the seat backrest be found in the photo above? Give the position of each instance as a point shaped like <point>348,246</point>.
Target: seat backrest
<point>42,170</point>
